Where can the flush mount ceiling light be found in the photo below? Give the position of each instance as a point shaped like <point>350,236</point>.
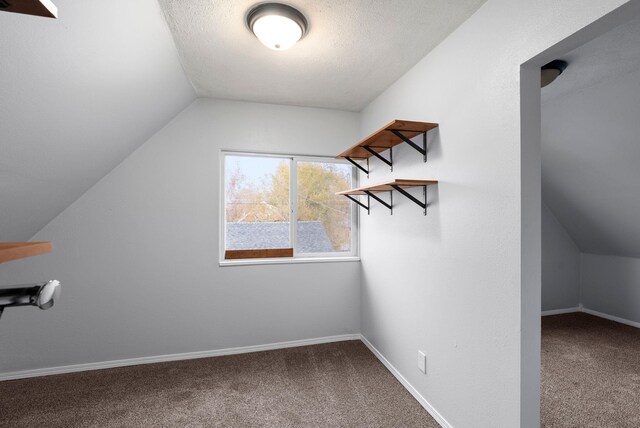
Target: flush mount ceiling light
<point>277,25</point>
<point>551,71</point>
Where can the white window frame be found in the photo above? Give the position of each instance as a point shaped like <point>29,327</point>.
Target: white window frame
<point>352,255</point>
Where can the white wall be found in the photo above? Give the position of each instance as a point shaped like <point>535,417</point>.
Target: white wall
<point>450,283</point>
<point>560,265</point>
<point>611,285</point>
<point>78,95</point>
<point>138,253</point>
<point>590,176</point>
<point>590,158</point>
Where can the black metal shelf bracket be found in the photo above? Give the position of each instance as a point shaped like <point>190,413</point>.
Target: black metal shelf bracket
<point>418,202</point>
<point>422,150</point>
<point>388,205</point>
<point>357,165</point>
<point>366,207</point>
<point>376,154</point>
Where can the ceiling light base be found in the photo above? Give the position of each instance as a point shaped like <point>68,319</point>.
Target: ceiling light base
<point>549,72</point>
<point>278,26</point>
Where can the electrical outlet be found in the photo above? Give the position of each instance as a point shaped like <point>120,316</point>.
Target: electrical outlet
<point>422,362</point>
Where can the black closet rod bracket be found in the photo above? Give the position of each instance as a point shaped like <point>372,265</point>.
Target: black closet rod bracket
<point>357,165</point>
<point>376,154</point>
<point>422,150</point>
<point>415,200</point>
<point>388,205</point>
<point>366,207</point>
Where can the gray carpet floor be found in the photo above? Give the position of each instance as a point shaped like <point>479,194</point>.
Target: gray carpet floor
<point>590,373</point>
<point>332,385</point>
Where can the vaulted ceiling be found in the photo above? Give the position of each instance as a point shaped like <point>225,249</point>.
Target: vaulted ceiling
<point>353,51</point>
<point>82,92</point>
<point>78,95</point>
<point>591,144</point>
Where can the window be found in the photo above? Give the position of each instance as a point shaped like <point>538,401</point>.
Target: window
<point>279,206</point>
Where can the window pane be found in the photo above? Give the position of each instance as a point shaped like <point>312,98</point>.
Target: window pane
<point>324,218</point>
<point>257,202</point>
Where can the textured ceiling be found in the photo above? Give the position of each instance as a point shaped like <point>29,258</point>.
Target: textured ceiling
<point>353,51</point>
<point>591,144</point>
<point>78,95</point>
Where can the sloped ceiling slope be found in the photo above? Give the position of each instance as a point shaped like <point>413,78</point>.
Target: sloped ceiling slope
<point>591,144</point>
<point>77,95</point>
<point>353,51</point>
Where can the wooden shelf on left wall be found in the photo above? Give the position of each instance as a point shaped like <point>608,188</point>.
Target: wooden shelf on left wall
<point>399,184</point>
<point>20,250</point>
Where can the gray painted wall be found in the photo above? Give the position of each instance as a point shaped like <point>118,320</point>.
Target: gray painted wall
<point>138,254</point>
<point>590,176</point>
<point>590,151</point>
<point>78,95</point>
<point>560,265</point>
<point>611,285</point>
<point>451,283</point>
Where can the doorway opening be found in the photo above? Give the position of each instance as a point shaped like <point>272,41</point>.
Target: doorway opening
<point>580,205</point>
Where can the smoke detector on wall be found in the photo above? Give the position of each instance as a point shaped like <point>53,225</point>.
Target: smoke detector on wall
<point>30,7</point>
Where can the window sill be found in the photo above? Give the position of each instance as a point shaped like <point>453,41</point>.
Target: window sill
<point>245,262</point>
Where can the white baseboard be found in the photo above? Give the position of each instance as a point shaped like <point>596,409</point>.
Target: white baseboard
<point>23,374</point>
<point>591,312</point>
<point>611,317</point>
<point>561,311</point>
<point>423,401</point>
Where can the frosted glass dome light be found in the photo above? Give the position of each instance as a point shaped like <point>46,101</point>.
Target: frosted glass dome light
<point>277,25</point>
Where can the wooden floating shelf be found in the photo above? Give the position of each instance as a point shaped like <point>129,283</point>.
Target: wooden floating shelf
<point>20,250</point>
<point>387,137</point>
<point>389,186</point>
<point>30,7</point>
